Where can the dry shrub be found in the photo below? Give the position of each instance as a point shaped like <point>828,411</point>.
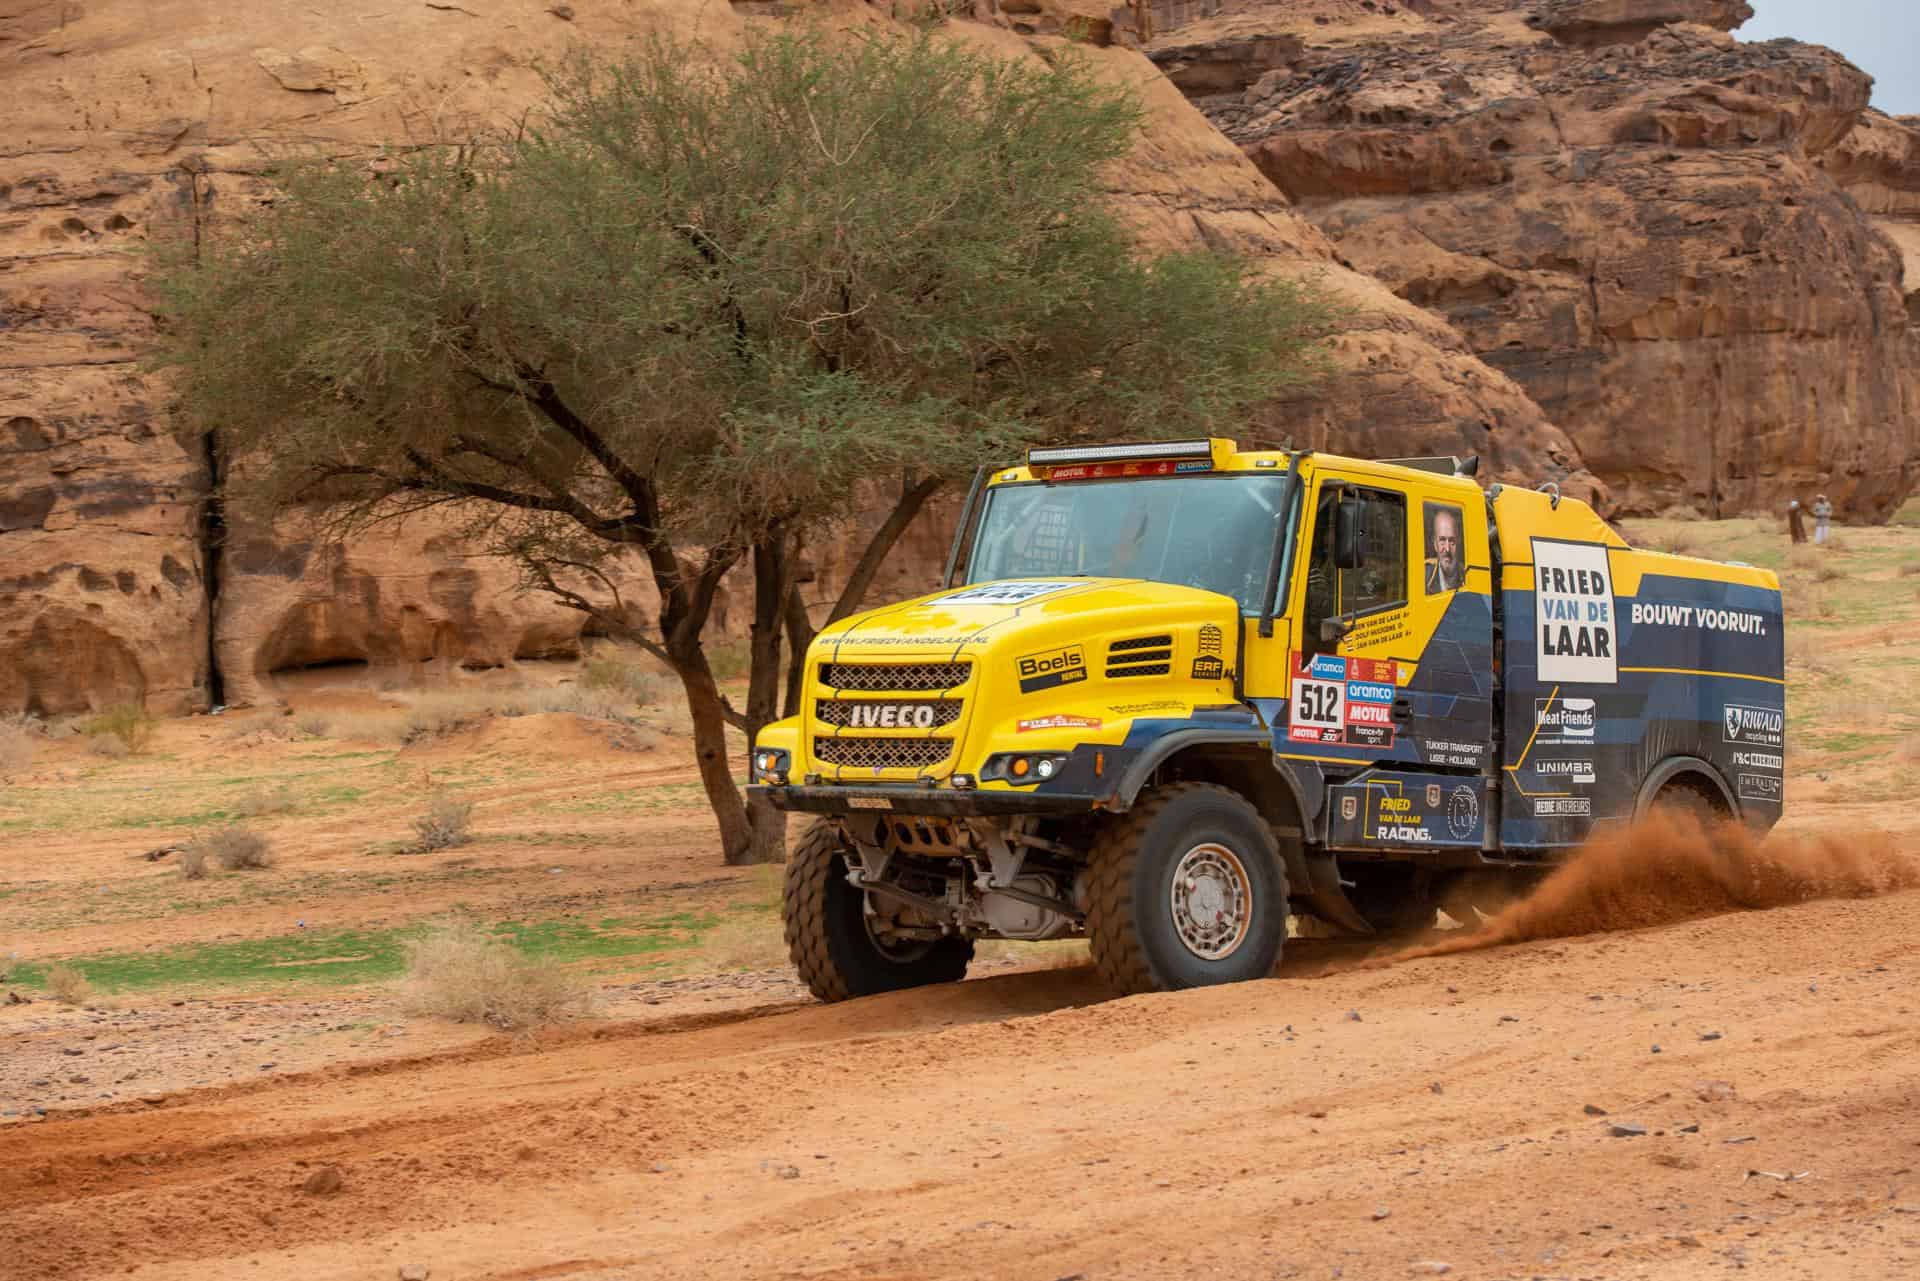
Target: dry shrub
<point>621,674</point>
<point>68,985</point>
<point>193,861</point>
<point>267,728</point>
<point>745,943</point>
<point>1828,572</point>
<point>730,660</point>
<point>633,738</point>
<point>1910,748</point>
<point>1671,867</point>
<point>369,727</point>
<point>267,800</point>
<point>109,746</point>
<point>1909,568</point>
<point>312,724</point>
<point>1680,511</point>
<point>444,825</point>
<point>17,747</point>
<point>233,847</point>
<point>458,971</point>
<point>129,722</point>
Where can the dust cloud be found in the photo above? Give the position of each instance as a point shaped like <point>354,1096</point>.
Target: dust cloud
<point>1671,868</point>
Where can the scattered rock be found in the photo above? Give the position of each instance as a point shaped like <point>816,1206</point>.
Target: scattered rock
<point>1429,1268</point>
<point>658,1167</point>
<point>153,1100</point>
<point>1626,1130</point>
<point>1508,1018</point>
<point>324,1181</point>
<point>564,12</point>
<point>1353,1016</point>
<point>1710,1036</point>
<point>1689,1128</point>
<point>788,1171</point>
<point>1656,1049</point>
<point>1436,1087</point>
<point>1713,1091</point>
<point>414,1272</point>
<point>14,998</point>
<point>1591,1110</point>
<point>1380,1212</point>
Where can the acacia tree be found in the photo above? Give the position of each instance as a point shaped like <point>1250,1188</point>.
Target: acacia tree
<point>704,309</point>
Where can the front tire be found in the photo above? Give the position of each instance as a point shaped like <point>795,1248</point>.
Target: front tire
<point>1187,890</point>
<point>828,937</point>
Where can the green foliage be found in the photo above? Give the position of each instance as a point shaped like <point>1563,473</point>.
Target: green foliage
<point>130,723</point>
<point>832,259</point>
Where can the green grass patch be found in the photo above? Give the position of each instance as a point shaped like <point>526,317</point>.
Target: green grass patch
<point>341,958</point>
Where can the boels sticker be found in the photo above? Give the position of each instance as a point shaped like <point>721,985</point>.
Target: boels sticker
<point>1064,666</point>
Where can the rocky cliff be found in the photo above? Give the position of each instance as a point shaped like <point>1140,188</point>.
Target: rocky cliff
<point>1360,134</point>
<point>1644,222</point>
<point>115,582</point>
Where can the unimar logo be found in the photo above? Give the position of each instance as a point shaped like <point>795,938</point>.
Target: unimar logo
<point>1565,720</point>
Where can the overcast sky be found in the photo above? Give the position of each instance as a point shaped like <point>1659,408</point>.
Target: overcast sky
<point>1881,37</point>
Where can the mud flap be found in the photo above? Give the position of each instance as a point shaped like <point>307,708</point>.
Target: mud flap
<point>1328,901</point>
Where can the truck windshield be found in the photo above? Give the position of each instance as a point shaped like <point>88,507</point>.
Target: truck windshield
<point>1214,532</point>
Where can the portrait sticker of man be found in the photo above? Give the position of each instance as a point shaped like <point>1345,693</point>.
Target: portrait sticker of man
<point>1446,558</point>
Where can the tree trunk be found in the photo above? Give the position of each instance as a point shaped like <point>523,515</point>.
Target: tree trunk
<point>800,634</point>
<point>913,497</point>
<point>737,844</point>
<point>773,574</point>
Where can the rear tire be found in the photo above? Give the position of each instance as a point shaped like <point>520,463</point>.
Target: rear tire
<point>1187,890</point>
<point>827,934</point>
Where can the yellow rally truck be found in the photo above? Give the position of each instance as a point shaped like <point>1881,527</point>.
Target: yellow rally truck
<point>1173,693</point>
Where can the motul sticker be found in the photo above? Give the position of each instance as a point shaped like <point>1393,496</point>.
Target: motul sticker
<point>1058,722</point>
<point>1573,610</point>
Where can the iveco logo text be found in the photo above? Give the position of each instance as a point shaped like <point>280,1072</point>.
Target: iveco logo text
<point>1564,719</point>
<point>891,716</point>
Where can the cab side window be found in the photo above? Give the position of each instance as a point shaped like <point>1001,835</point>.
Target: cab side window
<point>1380,578</point>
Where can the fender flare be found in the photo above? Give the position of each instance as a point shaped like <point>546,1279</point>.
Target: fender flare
<point>1673,767</point>
<point>1169,745</point>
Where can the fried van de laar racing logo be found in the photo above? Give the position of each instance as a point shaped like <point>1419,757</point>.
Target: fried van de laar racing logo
<point>1208,665</point>
<point>1574,611</point>
<point>1049,668</point>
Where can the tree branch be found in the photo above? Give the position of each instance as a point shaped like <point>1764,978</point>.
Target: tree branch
<point>913,497</point>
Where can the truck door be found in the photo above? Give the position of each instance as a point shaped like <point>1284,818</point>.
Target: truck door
<point>1391,626</point>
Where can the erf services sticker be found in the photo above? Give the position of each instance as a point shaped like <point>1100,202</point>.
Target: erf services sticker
<point>1574,608</point>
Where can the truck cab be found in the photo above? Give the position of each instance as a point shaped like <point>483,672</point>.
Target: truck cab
<point>1172,693</point>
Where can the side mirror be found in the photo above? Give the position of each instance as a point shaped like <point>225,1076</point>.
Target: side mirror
<point>1349,534</point>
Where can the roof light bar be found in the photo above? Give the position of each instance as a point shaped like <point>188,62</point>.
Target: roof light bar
<point>1150,452</point>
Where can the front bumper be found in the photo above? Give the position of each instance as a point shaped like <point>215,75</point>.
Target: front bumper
<point>942,802</point>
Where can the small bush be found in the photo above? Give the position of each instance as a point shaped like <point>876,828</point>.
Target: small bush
<point>129,722</point>
<point>108,745</point>
<point>233,847</point>
<point>269,728</point>
<point>444,825</point>
<point>458,971</point>
<point>312,724</point>
<point>730,660</point>
<point>17,748</point>
<point>68,986</point>
<point>267,800</point>
<point>1910,568</point>
<point>1828,572</point>
<point>612,671</point>
<point>746,943</point>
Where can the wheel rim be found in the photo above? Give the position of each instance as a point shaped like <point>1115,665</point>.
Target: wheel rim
<point>1212,901</point>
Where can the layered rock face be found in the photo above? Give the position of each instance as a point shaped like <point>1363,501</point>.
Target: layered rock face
<point>1632,214</point>
<point>128,122</point>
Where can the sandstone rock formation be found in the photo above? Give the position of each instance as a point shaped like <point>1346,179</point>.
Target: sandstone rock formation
<point>1620,207</point>
<point>126,122</point>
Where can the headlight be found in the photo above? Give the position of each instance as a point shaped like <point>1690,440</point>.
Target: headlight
<point>770,765</point>
<point>1023,767</point>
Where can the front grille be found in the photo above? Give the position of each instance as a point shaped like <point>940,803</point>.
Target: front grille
<point>837,713</point>
<point>1141,656</point>
<point>882,753</point>
<point>919,677</point>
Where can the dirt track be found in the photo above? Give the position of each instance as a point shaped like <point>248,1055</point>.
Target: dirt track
<point>1022,1126</point>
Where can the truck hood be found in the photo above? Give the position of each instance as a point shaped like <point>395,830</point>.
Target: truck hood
<point>1016,662</point>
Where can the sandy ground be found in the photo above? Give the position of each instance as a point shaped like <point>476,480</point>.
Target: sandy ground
<point>1364,1114</point>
